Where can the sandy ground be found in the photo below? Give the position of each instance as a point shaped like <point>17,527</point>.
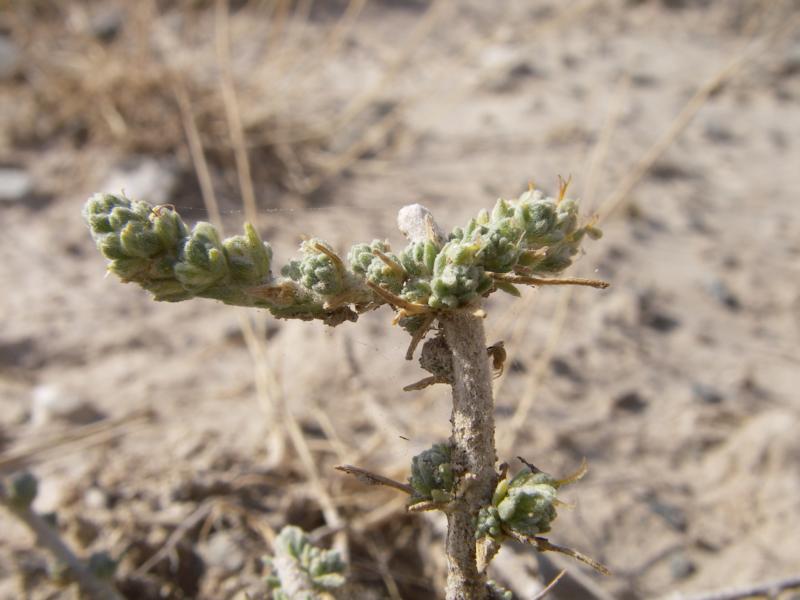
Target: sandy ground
<point>678,384</point>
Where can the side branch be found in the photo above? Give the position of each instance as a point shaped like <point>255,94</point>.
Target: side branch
<point>526,280</point>
<point>374,479</point>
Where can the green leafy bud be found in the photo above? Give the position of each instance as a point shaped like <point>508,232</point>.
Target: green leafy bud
<point>22,490</point>
<point>416,290</point>
<point>538,218</point>
<point>361,256</point>
<point>324,568</point>
<point>248,257</point>
<point>418,258</point>
<point>556,259</point>
<point>98,209</point>
<point>110,246</point>
<point>528,508</point>
<point>525,504</point>
<point>316,271</point>
<point>139,240</point>
<point>502,210</point>
<point>500,247</point>
<point>388,276</point>
<point>489,524</point>
<point>202,262</point>
<point>169,227</point>
<point>432,475</point>
<point>457,279</point>
<point>129,269</point>
<point>167,290</point>
<point>508,288</point>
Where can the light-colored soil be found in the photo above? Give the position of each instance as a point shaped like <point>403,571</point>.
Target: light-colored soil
<point>679,384</point>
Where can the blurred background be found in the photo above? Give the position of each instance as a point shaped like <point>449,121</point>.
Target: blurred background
<point>179,437</point>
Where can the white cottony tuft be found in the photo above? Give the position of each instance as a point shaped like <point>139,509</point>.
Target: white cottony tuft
<point>412,220</point>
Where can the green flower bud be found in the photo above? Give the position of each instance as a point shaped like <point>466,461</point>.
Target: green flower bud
<point>248,257</point>
<point>202,262</point>
<point>386,275</point>
<point>167,290</point>
<point>138,239</point>
<point>110,246</point>
<point>120,216</point>
<point>502,210</point>
<point>538,218</point>
<point>316,270</point>
<point>416,290</point>
<point>525,504</point>
<point>361,256</point>
<point>324,568</point>
<point>129,269</point>
<point>489,524</point>
<point>418,259</point>
<point>500,249</point>
<point>528,508</point>
<point>99,207</point>
<point>432,475</point>
<point>556,258</point>
<point>457,280</point>
<point>169,227</point>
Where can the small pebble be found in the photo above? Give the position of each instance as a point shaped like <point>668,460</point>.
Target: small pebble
<point>630,402</point>
<point>706,393</point>
<point>95,498</point>
<point>223,552</point>
<point>15,184</point>
<point>682,566</point>
<point>9,58</point>
<point>720,291</point>
<point>51,403</point>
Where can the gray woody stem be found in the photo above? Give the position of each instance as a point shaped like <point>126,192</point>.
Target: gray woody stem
<point>472,432</point>
<point>90,586</point>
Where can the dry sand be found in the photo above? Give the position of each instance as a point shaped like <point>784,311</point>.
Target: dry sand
<point>678,384</point>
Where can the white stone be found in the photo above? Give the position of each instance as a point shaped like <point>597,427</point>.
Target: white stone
<point>15,184</point>
<point>51,402</point>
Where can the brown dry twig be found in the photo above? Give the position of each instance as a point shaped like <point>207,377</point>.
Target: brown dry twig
<point>371,478</point>
<point>550,585</point>
<point>544,545</point>
<point>526,280</point>
<point>72,439</point>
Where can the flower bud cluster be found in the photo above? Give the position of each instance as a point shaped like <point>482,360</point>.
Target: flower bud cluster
<point>153,247</point>
<point>324,569</point>
<point>432,475</point>
<point>316,270</point>
<point>377,264</point>
<point>525,504</point>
